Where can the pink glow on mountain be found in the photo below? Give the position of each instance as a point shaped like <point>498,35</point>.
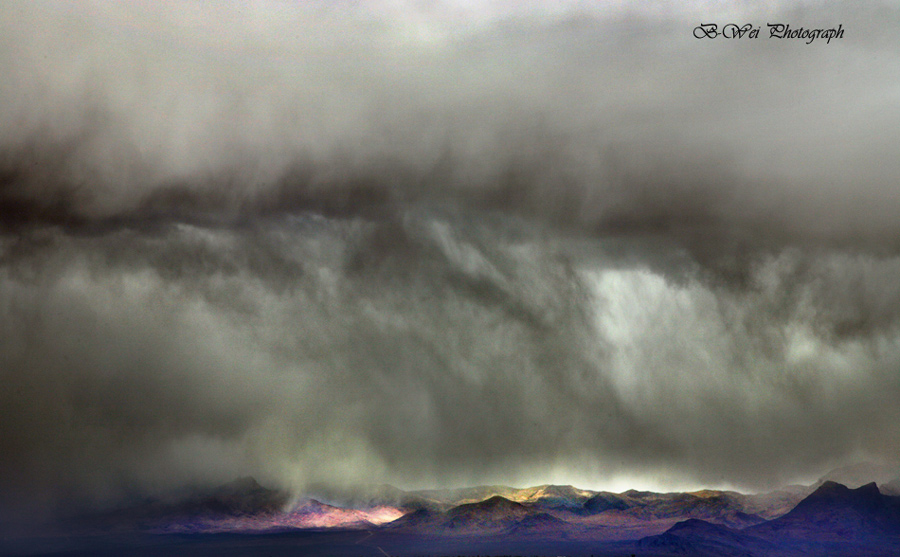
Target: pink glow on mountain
<point>305,514</point>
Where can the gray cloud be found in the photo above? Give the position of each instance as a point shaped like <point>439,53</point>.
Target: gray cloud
<point>347,244</point>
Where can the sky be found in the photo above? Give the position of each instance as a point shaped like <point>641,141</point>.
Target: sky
<point>439,244</point>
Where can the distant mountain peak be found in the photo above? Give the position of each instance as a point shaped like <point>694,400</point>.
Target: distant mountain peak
<point>835,511</point>
<point>834,490</point>
<point>491,512</point>
<point>870,487</point>
<point>604,502</point>
<point>498,500</point>
<point>698,537</point>
<point>497,503</point>
<point>637,494</point>
<point>829,487</point>
<point>861,473</point>
<point>697,525</point>
<point>312,504</point>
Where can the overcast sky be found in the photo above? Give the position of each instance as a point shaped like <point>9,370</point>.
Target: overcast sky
<point>443,244</point>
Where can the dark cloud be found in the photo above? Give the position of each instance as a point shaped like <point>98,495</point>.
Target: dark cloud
<point>322,245</point>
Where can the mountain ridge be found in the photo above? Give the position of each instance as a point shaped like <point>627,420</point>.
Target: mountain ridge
<point>830,519</point>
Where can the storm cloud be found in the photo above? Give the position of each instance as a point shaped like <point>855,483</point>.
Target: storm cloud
<point>468,243</point>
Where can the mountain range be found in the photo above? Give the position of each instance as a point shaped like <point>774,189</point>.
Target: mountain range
<point>825,518</point>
